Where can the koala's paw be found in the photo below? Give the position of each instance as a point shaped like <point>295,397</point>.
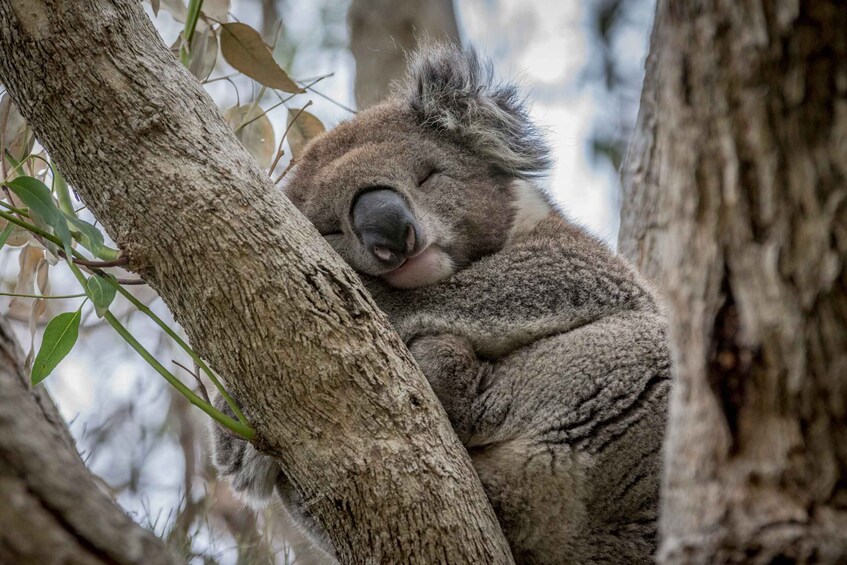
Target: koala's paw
<point>443,356</point>
<point>455,373</point>
<point>252,474</point>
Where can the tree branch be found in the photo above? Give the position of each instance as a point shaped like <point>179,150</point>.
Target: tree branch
<point>329,387</point>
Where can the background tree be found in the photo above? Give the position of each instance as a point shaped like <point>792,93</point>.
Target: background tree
<point>735,201</point>
<point>53,509</point>
<point>383,32</point>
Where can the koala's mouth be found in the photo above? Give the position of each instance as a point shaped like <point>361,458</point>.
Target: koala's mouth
<point>427,267</point>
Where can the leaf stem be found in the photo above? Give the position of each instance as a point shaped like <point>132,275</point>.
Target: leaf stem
<point>236,426</point>
<point>41,297</point>
<point>241,428</point>
<point>187,348</point>
<point>194,7</point>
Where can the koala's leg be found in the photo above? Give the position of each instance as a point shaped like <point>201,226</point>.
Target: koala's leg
<point>456,376</point>
<point>253,475</point>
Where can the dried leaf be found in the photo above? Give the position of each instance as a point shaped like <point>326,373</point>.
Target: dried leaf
<point>60,335</point>
<point>18,237</point>
<point>175,8</point>
<point>257,136</point>
<point>303,127</point>
<point>28,261</point>
<point>15,135</point>
<point>155,5</point>
<point>204,53</point>
<point>216,9</point>
<point>42,281</point>
<point>244,49</point>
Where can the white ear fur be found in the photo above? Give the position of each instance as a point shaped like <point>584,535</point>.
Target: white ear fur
<point>530,207</point>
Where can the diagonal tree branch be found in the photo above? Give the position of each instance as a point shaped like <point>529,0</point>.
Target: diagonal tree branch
<point>329,387</point>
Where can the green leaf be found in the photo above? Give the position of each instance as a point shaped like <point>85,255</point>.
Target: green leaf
<point>7,231</point>
<point>60,335</point>
<point>244,49</point>
<point>89,236</point>
<point>38,198</point>
<point>101,293</point>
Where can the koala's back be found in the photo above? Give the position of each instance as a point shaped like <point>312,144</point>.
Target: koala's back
<point>568,442</point>
<point>567,411</point>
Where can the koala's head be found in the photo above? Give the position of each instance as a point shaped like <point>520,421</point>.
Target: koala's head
<point>435,177</point>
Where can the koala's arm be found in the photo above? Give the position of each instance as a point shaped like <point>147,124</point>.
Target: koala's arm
<point>455,374</point>
<point>543,285</point>
<point>570,426</point>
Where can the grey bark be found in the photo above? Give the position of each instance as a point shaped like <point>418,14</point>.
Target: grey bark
<point>331,390</point>
<point>384,32</point>
<point>736,204</point>
<point>53,511</point>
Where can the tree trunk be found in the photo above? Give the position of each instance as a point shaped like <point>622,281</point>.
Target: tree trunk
<point>331,390</point>
<point>736,203</point>
<point>384,32</point>
<point>53,511</point>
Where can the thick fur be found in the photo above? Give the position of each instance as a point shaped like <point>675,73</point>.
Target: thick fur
<point>545,348</point>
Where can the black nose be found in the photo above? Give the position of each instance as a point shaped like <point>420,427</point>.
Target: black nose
<point>385,224</point>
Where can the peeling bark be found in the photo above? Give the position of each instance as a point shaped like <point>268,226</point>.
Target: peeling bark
<point>329,387</point>
<point>736,204</point>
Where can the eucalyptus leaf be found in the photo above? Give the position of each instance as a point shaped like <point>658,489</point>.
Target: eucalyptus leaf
<point>101,293</point>
<point>60,335</point>
<point>204,53</point>
<point>257,136</point>
<point>216,9</point>
<point>244,49</point>
<point>16,138</point>
<point>7,231</point>
<point>302,128</point>
<point>38,198</point>
<point>89,236</point>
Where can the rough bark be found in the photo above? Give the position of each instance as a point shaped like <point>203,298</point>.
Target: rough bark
<point>330,389</point>
<point>737,205</point>
<point>383,32</point>
<point>53,511</point>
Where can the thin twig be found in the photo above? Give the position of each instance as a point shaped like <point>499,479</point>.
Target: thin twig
<point>201,388</point>
<point>285,172</point>
<point>285,134</point>
<point>328,99</point>
<point>119,262</point>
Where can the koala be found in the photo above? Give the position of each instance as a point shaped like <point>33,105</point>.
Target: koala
<point>546,349</point>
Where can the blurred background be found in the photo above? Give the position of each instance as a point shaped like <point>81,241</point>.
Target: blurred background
<point>580,63</point>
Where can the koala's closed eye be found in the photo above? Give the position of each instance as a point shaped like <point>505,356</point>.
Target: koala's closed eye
<point>427,178</point>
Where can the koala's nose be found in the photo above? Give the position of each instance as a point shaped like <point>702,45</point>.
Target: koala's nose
<point>385,224</point>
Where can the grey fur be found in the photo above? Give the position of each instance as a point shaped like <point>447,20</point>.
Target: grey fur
<point>454,92</point>
<point>545,348</point>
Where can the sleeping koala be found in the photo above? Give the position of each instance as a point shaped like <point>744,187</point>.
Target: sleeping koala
<point>545,348</point>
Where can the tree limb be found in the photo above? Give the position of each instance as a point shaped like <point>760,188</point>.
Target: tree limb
<point>329,387</point>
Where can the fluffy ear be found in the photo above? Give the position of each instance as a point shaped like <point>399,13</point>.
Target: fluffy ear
<point>453,90</point>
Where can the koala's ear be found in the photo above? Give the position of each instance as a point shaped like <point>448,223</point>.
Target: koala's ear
<point>453,90</point>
